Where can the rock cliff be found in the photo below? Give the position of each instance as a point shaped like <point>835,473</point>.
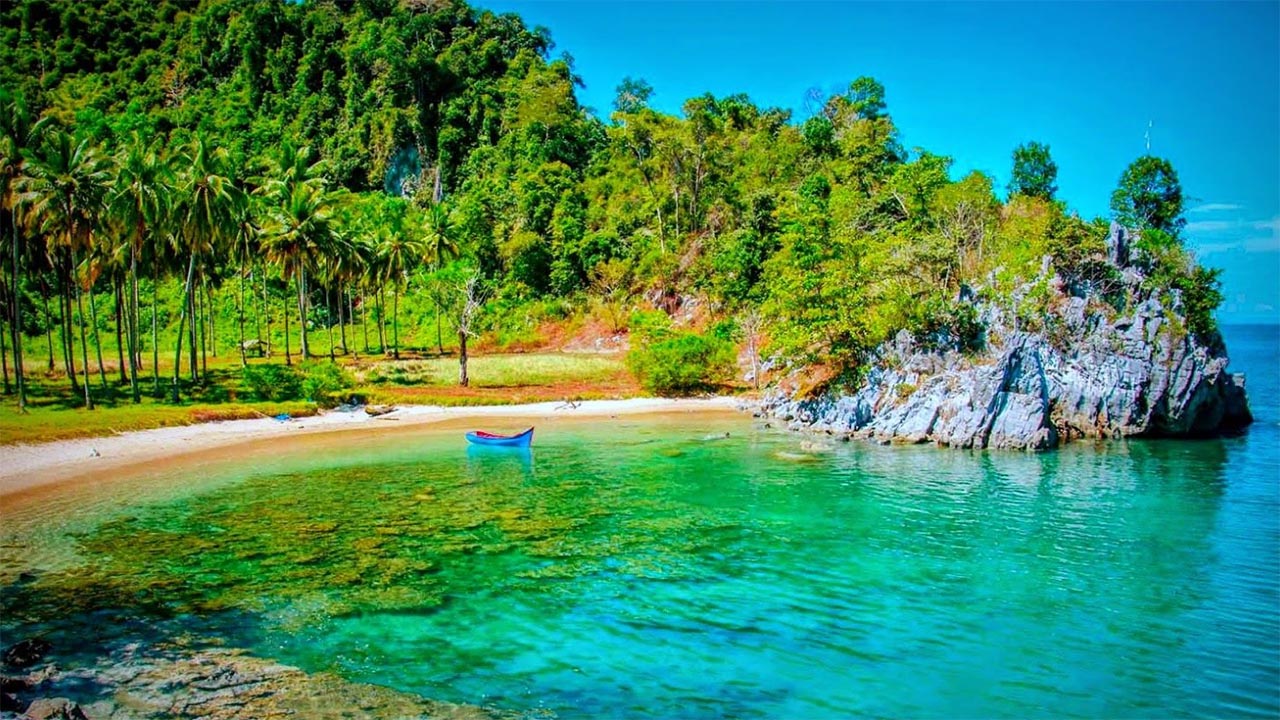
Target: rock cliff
<point>1086,371</point>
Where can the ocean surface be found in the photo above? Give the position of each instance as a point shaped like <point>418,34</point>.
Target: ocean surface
<point>703,566</point>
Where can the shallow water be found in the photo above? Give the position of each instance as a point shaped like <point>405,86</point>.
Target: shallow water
<point>653,568</point>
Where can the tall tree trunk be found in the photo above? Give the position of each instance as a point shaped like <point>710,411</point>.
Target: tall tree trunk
<point>97,340</point>
<point>264,313</point>
<point>68,336</point>
<point>302,310</point>
<point>202,299</point>
<point>84,342</point>
<point>4,354</point>
<point>287,359</point>
<point>395,318</point>
<point>135,347</point>
<point>243,361</point>
<point>439,337</point>
<point>364,320</point>
<point>48,322</point>
<point>194,341</point>
<point>382,321</point>
<point>182,319</point>
<point>463,380</point>
<point>155,328</point>
<point>213,318</point>
<point>342,326</point>
<point>18,370</point>
<point>124,376</point>
<point>329,322</point>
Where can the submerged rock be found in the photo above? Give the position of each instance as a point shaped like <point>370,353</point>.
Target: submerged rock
<point>218,684</point>
<point>1090,373</point>
<point>27,653</point>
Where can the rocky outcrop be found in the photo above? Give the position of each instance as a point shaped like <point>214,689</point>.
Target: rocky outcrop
<point>211,684</point>
<point>1087,372</point>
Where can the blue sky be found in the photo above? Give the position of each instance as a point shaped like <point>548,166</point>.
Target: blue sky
<point>974,80</point>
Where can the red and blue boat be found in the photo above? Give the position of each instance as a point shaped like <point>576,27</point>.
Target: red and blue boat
<point>480,437</point>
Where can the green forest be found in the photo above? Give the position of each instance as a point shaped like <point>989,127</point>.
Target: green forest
<point>319,179</point>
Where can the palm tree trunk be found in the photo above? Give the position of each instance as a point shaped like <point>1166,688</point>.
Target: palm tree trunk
<point>395,318</point>
<point>97,340</point>
<point>382,322</point>
<point>68,337</point>
<point>342,326</point>
<point>209,308</point>
<point>66,331</point>
<point>264,314</point>
<point>155,331</point>
<point>243,362</point>
<point>439,340</point>
<point>195,322</point>
<point>202,305</point>
<point>4,357</point>
<point>17,323</point>
<point>124,376</point>
<point>48,321</point>
<point>364,320</point>
<point>302,311</point>
<point>329,322</point>
<point>135,349</point>
<point>287,359</point>
<point>182,319</point>
<point>84,342</point>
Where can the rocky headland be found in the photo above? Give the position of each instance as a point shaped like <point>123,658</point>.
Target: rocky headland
<point>1084,369</point>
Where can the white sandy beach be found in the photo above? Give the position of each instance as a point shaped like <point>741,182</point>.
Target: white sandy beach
<point>26,467</point>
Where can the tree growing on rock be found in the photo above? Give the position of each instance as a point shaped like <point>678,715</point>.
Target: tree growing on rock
<point>1035,174</point>
<point>1149,196</point>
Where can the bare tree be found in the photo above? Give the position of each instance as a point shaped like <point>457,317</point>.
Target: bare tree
<point>471,299</point>
<point>752,323</point>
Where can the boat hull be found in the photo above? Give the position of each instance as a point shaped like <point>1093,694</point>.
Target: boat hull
<point>480,437</point>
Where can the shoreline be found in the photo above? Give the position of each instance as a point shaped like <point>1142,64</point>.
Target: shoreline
<point>28,467</point>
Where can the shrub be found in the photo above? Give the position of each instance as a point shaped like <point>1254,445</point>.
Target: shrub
<point>939,325</point>
<point>275,383</point>
<point>322,382</point>
<point>682,364</point>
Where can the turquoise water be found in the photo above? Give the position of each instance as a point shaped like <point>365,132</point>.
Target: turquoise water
<point>652,568</point>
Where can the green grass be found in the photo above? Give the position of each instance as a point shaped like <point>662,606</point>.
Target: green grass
<point>498,371</point>
<point>56,412</point>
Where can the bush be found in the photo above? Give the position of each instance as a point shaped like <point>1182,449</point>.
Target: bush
<point>322,382</point>
<point>275,383</point>
<point>941,325</point>
<point>682,364</point>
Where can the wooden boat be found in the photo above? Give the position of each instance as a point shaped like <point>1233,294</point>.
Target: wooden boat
<point>480,437</point>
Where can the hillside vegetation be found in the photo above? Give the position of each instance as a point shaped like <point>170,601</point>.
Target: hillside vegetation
<point>232,176</point>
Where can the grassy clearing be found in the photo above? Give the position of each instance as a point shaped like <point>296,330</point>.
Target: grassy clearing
<point>56,412</point>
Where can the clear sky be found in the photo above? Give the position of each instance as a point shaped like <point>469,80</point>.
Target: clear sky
<point>974,80</point>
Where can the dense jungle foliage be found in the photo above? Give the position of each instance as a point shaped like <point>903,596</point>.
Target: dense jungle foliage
<point>165,164</point>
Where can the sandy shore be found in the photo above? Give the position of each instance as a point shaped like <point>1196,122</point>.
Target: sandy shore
<point>26,467</point>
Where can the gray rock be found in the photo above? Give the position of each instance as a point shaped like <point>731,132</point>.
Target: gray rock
<point>1140,374</point>
<point>54,709</point>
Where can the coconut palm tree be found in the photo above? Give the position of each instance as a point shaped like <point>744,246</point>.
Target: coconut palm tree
<point>63,189</point>
<point>144,189</point>
<point>399,251</point>
<point>440,243</point>
<point>19,131</point>
<point>295,236</point>
<point>208,197</point>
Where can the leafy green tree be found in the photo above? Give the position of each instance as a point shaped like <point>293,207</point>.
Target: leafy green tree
<point>19,131</point>
<point>142,194</point>
<point>1149,196</point>
<point>1035,174</point>
<point>632,95</point>
<point>63,190</point>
